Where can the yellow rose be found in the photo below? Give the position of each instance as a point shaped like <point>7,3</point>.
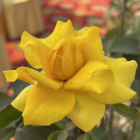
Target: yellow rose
<point>77,80</point>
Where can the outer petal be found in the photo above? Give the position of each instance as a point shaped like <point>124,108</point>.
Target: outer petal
<point>32,58</point>
<point>94,77</point>
<point>30,76</point>
<point>19,102</point>
<point>45,106</point>
<point>117,93</point>
<point>80,32</point>
<point>35,52</point>
<point>86,112</point>
<point>62,30</point>
<point>90,45</point>
<point>123,70</point>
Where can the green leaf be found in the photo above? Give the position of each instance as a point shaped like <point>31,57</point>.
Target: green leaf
<point>59,125</point>
<point>99,133</point>
<point>93,137</point>
<point>64,121</point>
<point>18,86</point>
<point>54,135</point>
<point>126,46</point>
<point>116,55</point>
<point>69,126</point>
<point>88,137</point>
<point>82,137</point>
<point>6,133</point>
<point>137,23</point>
<point>35,132</point>
<point>63,135</point>
<point>4,100</point>
<point>113,33</point>
<point>106,44</point>
<point>135,34</point>
<point>8,115</point>
<point>126,111</point>
<point>136,86</point>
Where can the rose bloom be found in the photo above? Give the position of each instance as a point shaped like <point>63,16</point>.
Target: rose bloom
<point>76,80</point>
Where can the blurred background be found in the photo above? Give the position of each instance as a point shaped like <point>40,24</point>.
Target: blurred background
<point>39,18</point>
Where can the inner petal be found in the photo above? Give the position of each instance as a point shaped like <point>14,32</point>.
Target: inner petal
<point>58,69</point>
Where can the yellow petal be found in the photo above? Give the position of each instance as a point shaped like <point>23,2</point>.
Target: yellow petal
<point>117,93</point>
<point>86,112</point>
<point>79,59</point>
<point>94,77</point>
<point>58,49</point>
<point>62,30</point>
<point>58,69</point>
<point>123,70</point>
<point>90,45</point>
<point>19,102</point>
<point>44,41</point>
<point>30,76</point>
<point>36,52</point>
<point>92,31</point>
<point>13,75</point>
<point>45,106</point>
<point>32,58</point>
<point>68,61</point>
<point>80,32</point>
<point>61,50</point>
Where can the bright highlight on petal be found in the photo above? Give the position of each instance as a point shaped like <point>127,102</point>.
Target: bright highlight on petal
<point>20,101</point>
<point>45,106</point>
<point>30,76</point>
<point>123,70</point>
<point>86,112</point>
<point>95,77</point>
<point>117,93</point>
<point>62,30</point>
<point>90,45</point>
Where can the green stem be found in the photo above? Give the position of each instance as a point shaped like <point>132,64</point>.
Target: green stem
<point>110,128</point>
<point>103,122</point>
<point>123,18</point>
